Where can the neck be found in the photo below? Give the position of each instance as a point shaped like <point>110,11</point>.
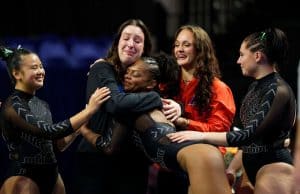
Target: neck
<point>25,89</point>
<point>187,74</point>
<point>264,70</point>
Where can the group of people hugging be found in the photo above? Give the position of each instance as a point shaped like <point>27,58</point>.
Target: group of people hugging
<point>173,111</point>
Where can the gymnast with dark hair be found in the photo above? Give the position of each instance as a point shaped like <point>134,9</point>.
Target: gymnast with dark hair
<point>27,127</point>
<point>268,113</point>
<point>151,128</point>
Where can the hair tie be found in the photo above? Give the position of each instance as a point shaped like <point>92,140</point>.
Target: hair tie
<point>6,53</point>
<point>263,36</point>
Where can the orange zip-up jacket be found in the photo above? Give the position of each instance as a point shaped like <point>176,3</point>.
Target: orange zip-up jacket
<point>222,103</point>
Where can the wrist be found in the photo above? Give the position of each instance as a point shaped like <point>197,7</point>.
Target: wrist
<point>186,123</point>
<point>89,111</point>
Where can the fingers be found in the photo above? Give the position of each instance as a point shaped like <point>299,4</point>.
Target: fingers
<point>104,99</point>
<point>176,137</point>
<point>182,136</point>
<point>171,115</point>
<point>171,112</point>
<point>102,92</point>
<point>165,101</point>
<point>171,109</point>
<point>101,95</point>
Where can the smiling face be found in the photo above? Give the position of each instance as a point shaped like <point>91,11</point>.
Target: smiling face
<point>30,75</point>
<point>184,49</point>
<point>248,61</point>
<point>138,78</point>
<point>131,44</point>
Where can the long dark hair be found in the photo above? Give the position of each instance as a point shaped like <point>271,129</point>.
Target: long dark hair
<point>207,66</point>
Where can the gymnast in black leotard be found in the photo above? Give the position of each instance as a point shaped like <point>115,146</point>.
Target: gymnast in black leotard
<point>26,121</point>
<point>268,114</point>
<point>152,127</point>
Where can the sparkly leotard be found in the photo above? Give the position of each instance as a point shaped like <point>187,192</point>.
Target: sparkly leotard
<point>156,145</point>
<point>268,115</point>
<point>28,131</point>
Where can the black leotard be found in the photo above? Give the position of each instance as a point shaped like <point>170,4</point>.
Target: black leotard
<point>157,146</point>
<point>28,131</point>
<point>268,115</point>
<point>148,135</point>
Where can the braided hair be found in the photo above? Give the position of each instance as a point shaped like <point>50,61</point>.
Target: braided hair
<point>164,69</point>
<point>272,42</point>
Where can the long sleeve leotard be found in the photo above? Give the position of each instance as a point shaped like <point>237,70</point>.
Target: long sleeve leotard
<point>27,128</point>
<point>268,114</point>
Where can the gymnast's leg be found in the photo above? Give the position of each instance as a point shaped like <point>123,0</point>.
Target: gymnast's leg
<point>19,185</point>
<point>274,178</point>
<point>59,187</point>
<point>206,169</point>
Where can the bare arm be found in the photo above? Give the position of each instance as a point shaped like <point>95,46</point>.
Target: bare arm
<point>216,138</point>
<point>95,101</point>
<point>63,143</point>
<point>99,96</point>
<point>234,166</point>
<point>89,135</point>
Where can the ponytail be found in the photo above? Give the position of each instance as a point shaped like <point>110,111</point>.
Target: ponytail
<point>12,57</point>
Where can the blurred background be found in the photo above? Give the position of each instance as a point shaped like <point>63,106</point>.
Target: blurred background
<point>70,35</point>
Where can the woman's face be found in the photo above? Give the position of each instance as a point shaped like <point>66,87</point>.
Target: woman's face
<point>184,49</point>
<point>131,45</point>
<point>247,61</point>
<point>31,74</point>
<point>138,78</point>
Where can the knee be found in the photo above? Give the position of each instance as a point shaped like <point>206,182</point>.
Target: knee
<point>59,187</point>
<point>203,155</point>
<point>274,178</point>
<point>278,170</point>
<point>213,157</point>
<point>19,184</point>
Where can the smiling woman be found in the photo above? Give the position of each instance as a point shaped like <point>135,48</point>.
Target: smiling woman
<point>27,127</point>
<point>266,158</point>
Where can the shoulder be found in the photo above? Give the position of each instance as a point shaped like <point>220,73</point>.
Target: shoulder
<point>37,100</point>
<point>14,98</point>
<point>11,104</point>
<point>283,88</point>
<point>8,101</point>
<point>219,86</point>
<point>223,94</point>
<point>101,65</point>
